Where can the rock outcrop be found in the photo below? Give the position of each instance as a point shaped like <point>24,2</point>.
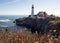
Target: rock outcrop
<point>41,25</point>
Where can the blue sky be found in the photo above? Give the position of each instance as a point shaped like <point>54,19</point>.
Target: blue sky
<point>23,7</point>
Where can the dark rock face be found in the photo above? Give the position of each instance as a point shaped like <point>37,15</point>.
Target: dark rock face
<point>39,25</point>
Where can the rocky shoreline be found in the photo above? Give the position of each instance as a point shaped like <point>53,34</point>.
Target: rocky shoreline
<point>41,24</point>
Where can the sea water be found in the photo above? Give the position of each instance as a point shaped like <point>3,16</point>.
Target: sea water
<point>7,21</point>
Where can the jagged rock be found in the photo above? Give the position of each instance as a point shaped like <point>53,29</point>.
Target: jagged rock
<point>39,24</point>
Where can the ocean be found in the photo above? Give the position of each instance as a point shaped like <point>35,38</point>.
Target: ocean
<point>7,21</point>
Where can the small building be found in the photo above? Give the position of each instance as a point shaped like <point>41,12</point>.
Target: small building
<point>42,15</point>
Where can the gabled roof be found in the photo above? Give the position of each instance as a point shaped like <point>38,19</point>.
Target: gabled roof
<point>42,14</point>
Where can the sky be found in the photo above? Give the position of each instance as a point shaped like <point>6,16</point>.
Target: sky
<point>23,7</point>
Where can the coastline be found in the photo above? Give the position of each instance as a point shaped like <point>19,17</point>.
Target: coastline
<point>4,23</point>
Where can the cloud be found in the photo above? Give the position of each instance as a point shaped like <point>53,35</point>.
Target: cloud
<point>8,2</point>
<point>12,1</point>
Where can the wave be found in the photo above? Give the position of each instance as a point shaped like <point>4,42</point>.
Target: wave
<point>5,20</point>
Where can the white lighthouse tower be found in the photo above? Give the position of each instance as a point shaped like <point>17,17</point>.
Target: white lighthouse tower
<point>32,13</point>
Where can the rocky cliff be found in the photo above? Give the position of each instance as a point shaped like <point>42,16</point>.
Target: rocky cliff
<point>41,25</point>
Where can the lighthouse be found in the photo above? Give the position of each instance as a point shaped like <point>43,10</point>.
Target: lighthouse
<point>32,12</point>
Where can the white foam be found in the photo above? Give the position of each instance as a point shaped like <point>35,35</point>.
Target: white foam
<point>5,20</point>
